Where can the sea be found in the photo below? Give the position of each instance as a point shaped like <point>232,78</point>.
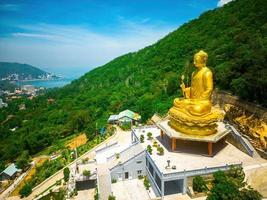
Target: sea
<point>46,83</point>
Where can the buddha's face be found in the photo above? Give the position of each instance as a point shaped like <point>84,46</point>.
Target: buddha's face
<point>198,62</point>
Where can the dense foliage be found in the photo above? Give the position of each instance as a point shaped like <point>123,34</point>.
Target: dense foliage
<point>231,186</point>
<point>235,37</point>
<point>25,190</point>
<point>6,85</point>
<point>199,184</point>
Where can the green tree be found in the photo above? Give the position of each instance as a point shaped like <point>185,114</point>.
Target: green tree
<point>199,184</point>
<point>66,173</point>
<point>26,190</point>
<point>250,194</point>
<point>23,160</point>
<point>224,190</point>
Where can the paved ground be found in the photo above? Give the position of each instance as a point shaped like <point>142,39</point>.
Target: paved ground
<point>85,194</point>
<point>130,190</point>
<point>257,178</point>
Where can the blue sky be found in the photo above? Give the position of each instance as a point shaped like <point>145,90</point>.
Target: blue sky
<point>71,37</point>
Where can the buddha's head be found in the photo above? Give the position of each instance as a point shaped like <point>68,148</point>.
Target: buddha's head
<point>200,59</point>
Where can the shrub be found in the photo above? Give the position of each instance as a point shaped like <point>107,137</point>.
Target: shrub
<point>199,184</point>
<point>155,144</point>
<point>58,182</point>
<point>86,173</point>
<point>66,173</point>
<point>160,150</point>
<point>146,183</point>
<point>126,126</point>
<point>149,149</point>
<point>117,155</point>
<point>26,190</point>
<point>111,197</point>
<point>113,180</point>
<point>250,194</point>
<point>219,177</point>
<point>236,175</point>
<point>140,177</point>
<point>142,138</point>
<point>149,135</point>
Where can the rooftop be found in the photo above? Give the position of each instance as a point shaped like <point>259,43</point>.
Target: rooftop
<point>191,155</point>
<point>11,170</point>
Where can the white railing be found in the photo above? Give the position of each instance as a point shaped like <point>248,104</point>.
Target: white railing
<point>206,170</point>
<point>155,167</point>
<point>245,143</point>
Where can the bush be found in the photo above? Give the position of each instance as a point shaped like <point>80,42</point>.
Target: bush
<point>160,150</point>
<point>117,155</point>
<point>250,194</point>
<point>230,185</point>
<point>146,183</point>
<point>224,190</point>
<point>26,190</point>
<point>149,135</point>
<point>199,184</point>
<point>149,149</point>
<point>219,177</point>
<point>66,173</point>
<point>140,177</point>
<point>111,197</point>
<point>142,138</point>
<point>155,144</point>
<point>58,182</point>
<point>113,180</point>
<point>236,175</point>
<point>86,173</point>
<point>126,126</point>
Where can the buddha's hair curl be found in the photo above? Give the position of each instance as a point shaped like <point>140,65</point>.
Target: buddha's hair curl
<point>203,56</point>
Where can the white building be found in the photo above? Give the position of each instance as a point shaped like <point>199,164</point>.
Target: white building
<point>2,104</point>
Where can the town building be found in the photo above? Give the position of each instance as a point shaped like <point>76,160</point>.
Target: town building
<point>10,172</point>
<point>124,117</point>
<point>2,104</point>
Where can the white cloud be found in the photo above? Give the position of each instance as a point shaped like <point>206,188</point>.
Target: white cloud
<point>57,46</point>
<point>223,2</point>
<point>9,7</point>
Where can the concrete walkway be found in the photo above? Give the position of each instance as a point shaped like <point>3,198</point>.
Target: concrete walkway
<point>130,190</point>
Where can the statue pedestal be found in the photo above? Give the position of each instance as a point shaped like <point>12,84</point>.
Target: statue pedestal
<point>174,135</point>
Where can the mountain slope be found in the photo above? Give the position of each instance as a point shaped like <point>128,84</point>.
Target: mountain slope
<point>146,81</point>
<point>23,71</point>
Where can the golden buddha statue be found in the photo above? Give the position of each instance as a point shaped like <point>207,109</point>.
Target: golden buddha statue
<point>194,113</point>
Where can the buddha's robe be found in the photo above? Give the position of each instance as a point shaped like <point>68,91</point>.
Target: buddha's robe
<point>198,96</point>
